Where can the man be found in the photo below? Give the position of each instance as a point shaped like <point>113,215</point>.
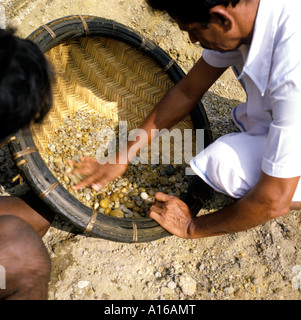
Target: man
<point>259,166</point>
<point>25,96</point>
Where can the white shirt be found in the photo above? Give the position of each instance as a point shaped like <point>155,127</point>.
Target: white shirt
<point>271,71</point>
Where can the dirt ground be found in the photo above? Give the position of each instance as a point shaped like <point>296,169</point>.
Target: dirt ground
<point>263,263</point>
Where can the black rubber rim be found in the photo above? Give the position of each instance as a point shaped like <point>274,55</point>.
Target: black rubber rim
<point>37,174</point>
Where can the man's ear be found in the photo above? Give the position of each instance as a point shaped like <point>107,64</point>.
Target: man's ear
<point>221,16</point>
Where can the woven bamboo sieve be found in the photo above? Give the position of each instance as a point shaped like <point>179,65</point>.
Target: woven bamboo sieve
<point>105,68</point>
<point>104,76</point>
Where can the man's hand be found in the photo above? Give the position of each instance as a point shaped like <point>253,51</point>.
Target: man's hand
<point>96,175</point>
<point>172,214</point>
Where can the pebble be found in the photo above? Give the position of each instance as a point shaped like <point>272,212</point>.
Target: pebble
<point>82,284</point>
<point>134,191</point>
<point>172,179</point>
<point>117,213</point>
<point>144,195</point>
<point>171,285</point>
<point>296,280</point>
<point>179,177</point>
<point>187,284</point>
<point>163,181</point>
<point>170,169</point>
<point>229,290</point>
<point>104,203</point>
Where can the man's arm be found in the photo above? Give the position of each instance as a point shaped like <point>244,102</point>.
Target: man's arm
<point>269,199</point>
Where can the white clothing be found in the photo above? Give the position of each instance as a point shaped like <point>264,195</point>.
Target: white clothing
<point>232,164</point>
<point>271,117</point>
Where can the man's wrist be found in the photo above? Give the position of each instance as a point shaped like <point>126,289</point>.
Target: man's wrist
<point>193,230</point>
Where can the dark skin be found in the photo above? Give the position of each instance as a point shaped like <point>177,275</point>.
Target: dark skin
<point>23,222</point>
<point>31,209</point>
<point>34,212</point>
<point>239,216</point>
<point>271,197</point>
<point>25,259</point>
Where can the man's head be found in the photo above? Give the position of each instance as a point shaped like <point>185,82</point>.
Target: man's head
<point>220,25</point>
<point>25,84</point>
<point>188,11</point>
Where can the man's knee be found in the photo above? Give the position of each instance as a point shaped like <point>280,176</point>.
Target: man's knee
<point>25,260</point>
<point>29,209</point>
<point>232,163</point>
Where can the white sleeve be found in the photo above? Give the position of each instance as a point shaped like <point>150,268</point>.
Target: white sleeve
<point>222,60</point>
<point>282,157</point>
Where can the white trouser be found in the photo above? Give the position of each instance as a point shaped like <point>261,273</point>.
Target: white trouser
<point>232,164</point>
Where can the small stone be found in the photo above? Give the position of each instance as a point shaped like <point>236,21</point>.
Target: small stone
<point>117,213</point>
<point>171,285</point>
<point>66,179</point>
<point>82,284</point>
<point>296,280</point>
<point>104,203</point>
<point>107,210</point>
<point>229,290</point>
<point>144,195</point>
<point>139,203</point>
<point>52,148</point>
<point>188,285</point>
<point>114,197</point>
<point>130,204</point>
<point>172,179</point>
<point>170,170</point>
<point>163,181</point>
<point>179,177</point>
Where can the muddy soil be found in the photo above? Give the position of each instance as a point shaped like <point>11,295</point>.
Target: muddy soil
<point>263,263</point>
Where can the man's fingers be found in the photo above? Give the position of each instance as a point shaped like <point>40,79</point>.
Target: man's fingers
<point>97,186</point>
<point>155,212</point>
<point>154,215</point>
<point>86,159</point>
<point>84,183</point>
<point>85,168</point>
<point>72,163</point>
<point>96,182</point>
<point>163,197</point>
<point>100,183</point>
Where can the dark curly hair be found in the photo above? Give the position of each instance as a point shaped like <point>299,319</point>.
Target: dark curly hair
<point>25,83</point>
<point>188,11</point>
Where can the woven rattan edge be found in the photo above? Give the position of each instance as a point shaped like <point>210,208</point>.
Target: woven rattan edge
<point>49,27</point>
<point>92,221</point>
<point>11,139</point>
<point>24,152</point>
<point>48,190</point>
<point>53,35</point>
<point>21,162</point>
<point>135,232</point>
<point>85,24</point>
